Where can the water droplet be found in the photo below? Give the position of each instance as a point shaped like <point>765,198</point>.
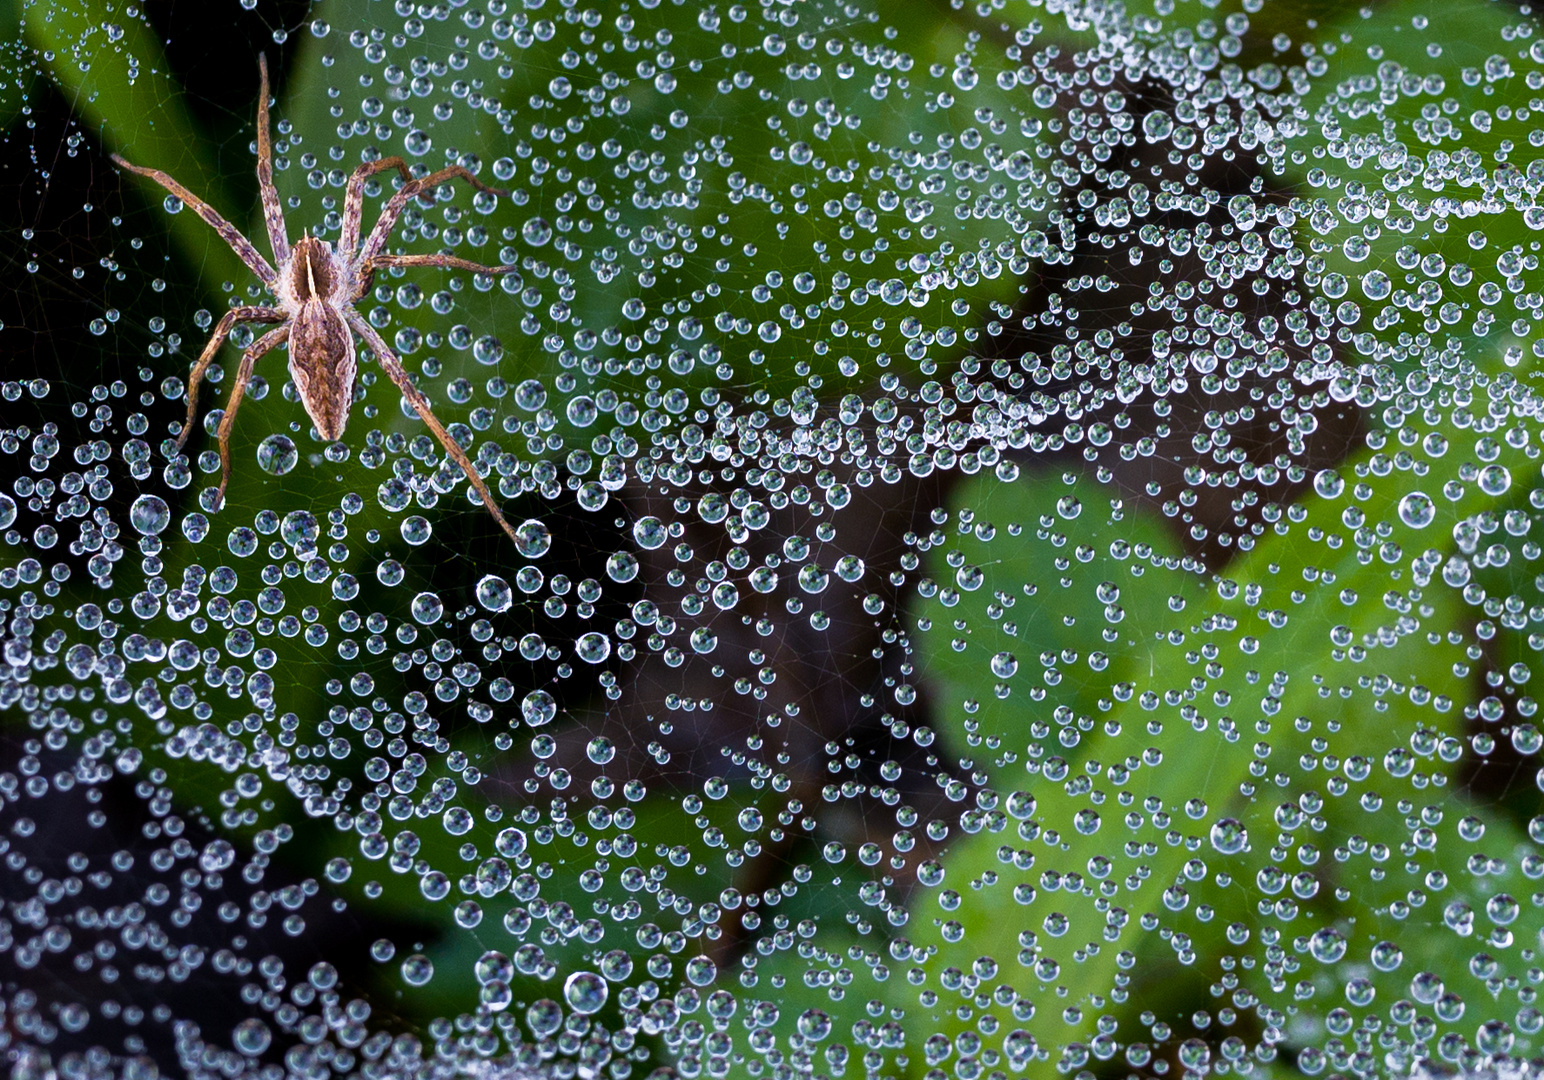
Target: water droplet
<point>582,411</point>
<point>487,350</point>
<point>538,707</point>
<point>1327,945</point>
<point>277,455</point>
<point>814,1024</point>
<point>299,529</point>
<point>427,608</point>
<point>969,577</point>
<point>1376,285</point>
<point>544,1017</point>
<point>1157,126</point>
<point>510,842</point>
<point>416,530</point>
<point>585,992</point>
<point>1228,836</point>
<point>1417,510</point>
<point>493,966</point>
<point>494,593</point>
<point>417,970</point>
<point>417,142</point>
<point>530,395</point>
<point>1495,480</point>
<point>532,538</point>
<point>593,648</point>
<point>536,231</point>
<point>650,533</point>
<point>622,566</point>
<point>616,966</point>
<point>251,1037</point>
<point>149,515</point>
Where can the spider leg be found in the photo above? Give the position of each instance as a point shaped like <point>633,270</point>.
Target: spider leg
<point>228,232</point>
<point>411,190</point>
<point>243,377</point>
<point>273,212</point>
<point>366,272</point>
<point>415,397</point>
<point>221,331</point>
<point>354,199</point>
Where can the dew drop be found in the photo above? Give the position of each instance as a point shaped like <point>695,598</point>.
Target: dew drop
<point>616,966</point>
<point>538,708</point>
<point>1157,126</point>
<point>1495,480</point>
<point>1376,285</point>
<point>510,842</point>
<point>494,593</point>
<point>417,970</point>
<point>814,1024</point>
<point>530,395</point>
<point>416,530</point>
<point>582,411</point>
<point>650,533</point>
<point>593,648</point>
<point>149,515</point>
<point>536,231</point>
<point>532,538</point>
<point>1228,836</point>
<point>1417,510</point>
<point>622,566</point>
<point>251,1037</point>
<point>585,992</point>
<point>544,1017</point>
<point>427,608</point>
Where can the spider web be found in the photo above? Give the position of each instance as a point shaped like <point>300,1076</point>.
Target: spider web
<point>835,330</point>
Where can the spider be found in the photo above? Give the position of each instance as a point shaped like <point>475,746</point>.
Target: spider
<point>317,287</point>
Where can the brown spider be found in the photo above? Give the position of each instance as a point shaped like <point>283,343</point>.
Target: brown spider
<point>316,288</point>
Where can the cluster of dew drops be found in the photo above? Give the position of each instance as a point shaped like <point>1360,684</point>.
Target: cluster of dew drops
<point>156,640</point>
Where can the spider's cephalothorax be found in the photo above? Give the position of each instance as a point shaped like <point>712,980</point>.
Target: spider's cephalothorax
<point>317,286</point>
<point>322,360</point>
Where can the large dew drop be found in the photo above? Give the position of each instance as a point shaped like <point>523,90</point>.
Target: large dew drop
<point>150,515</point>
<point>533,538</point>
<point>585,992</point>
<point>277,455</point>
<point>494,593</point>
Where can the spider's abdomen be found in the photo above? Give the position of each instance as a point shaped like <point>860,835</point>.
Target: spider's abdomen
<point>323,365</point>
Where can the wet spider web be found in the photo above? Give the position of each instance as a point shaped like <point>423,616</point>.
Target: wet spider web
<point>1025,559</point>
